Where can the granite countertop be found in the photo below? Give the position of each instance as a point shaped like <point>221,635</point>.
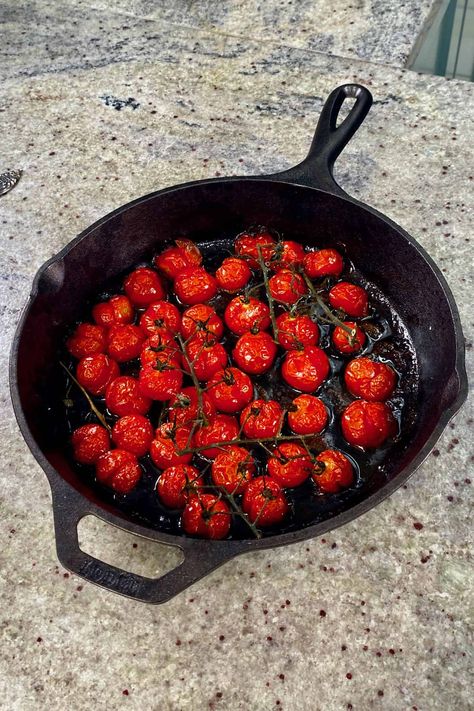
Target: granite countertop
<point>102,106</point>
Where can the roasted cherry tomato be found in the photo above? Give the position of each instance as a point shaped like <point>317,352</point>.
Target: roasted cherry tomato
<point>261,419</point>
<point>323,263</point>
<point>202,321</point>
<point>208,516</point>
<point>246,314</point>
<point>220,430</point>
<point>168,444</point>
<point>96,372</point>
<point>118,469</point>
<point>232,469</point>
<point>205,358</point>
<point>177,484</point>
<point>143,286</point>
<point>89,442</point>
<point>183,408</point>
<point>123,397</point>
<point>350,298</point>
<point>287,254</point>
<point>88,339</point>
<point>332,471</point>
<point>117,310</point>
<point>348,342</point>
<point>161,316</point>
<point>295,332</point>
<point>161,347</point>
<point>255,352</point>
<point>173,260</point>
<point>305,369</point>
<point>133,433</point>
<point>370,379</point>
<point>233,274</point>
<point>125,342</point>
<point>230,390</point>
<point>368,424</point>
<point>160,381</point>
<point>290,464</point>
<point>194,285</point>
<point>307,415</point>
<point>287,286</point>
<point>264,501</point>
<point>250,246</point>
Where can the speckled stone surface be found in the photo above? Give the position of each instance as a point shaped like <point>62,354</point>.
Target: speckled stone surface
<point>376,615</point>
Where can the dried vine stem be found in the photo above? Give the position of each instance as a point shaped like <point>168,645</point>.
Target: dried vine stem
<point>238,440</point>
<point>266,284</point>
<point>195,380</point>
<point>330,316</point>
<point>92,406</point>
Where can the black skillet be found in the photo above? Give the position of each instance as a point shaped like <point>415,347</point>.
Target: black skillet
<point>305,201</point>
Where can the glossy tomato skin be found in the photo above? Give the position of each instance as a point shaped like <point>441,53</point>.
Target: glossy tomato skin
<point>143,286</point>
<point>350,298</point>
<point>202,321</point>
<point>247,246</point>
<point>165,450</point>
<point>183,408</point>
<point>160,316</point>
<point>336,471</point>
<point>207,516</point>
<point>290,464</point>
<point>232,469</point>
<point>89,442</point>
<point>307,415</point>
<point>161,348</point>
<point>343,342</point>
<point>244,314</point>
<point>233,274</point>
<point>133,433</point>
<point>117,310</point>
<point>323,263</point>
<point>220,429</point>
<point>264,502</point>
<point>370,379</point>
<point>367,424</point>
<point>194,286</point>
<point>305,369</point>
<point>287,254</point>
<point>88,339</point>
<point>230,390</point>
<point>254,353</point>
<point>160,381</point>
<point>96,372</point>
<point>261,419</point>
<point>296,331</point>
<point>118,469</point>
<point>286,286</point>
<point>206,358</point>
<point>123,397</point>
<point>125,342</point>
<point>173,260</point>
<point>177,484</point>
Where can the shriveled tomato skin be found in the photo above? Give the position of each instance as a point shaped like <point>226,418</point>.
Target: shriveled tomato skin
<point>221,429</point>
<point>344,342</point>
<point>194,285</point>
<point>123,397</point>
<point>143,286</point>
<point>323,263</point>
<point>118,469</point>
<point>207,516</point>
<point>307,415</point>
<point>264,502</point>
<point>161,348</point>
<point>244,314</point>
<point>202,321</point>
<point>160,383</point>
<point>160,316</point>
<point>255,353</point>
<point>183,408</point>
<point>174,259</point>
<point>205,358</point>
<point>290,464</point>
<point>286,286</point>
<point>96,372</point>
<point>232,469</point>
<point>370,379</point>
<point>250,246</point>
<point>367,424</point>
<point>117,310</point>
<point>125,342</point>
<point>133,433</point>
<point>336,472</point>
<point>166,448</point>
<point>295,332</point>
<point>230,390</point>
<point>89,442</point>
<point>88,339</point>
<point>261,419</point>
<point>177,484</point>
<point>305,369</point>
<point>287,254</point>
<point>233,274</point>
<point>350,298</point>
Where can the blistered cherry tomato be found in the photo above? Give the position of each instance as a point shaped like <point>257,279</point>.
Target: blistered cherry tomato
<point>334,471</point>
<point>295,332</point>
<point>307,415</point>
<point>220,430</point>
<point>346,342</point>
<point>177,484</point>
<point>287,286</point>
<point>125,342</point>
<point>183,408</point>
<point>305,369</point>
<point>160,381</point>
<point>89,442</point>
<point>290,464</point>
<point>173,260</point>
<point>88,339</point>
<point>202,321</point>
<point>194,285</point>
<point>262,418</point>
<point>244,314</point>
<point>123,397</point>
<point>287,254</point>
<point>205,358</point>
<point>168,444</point>
<point>249,246</point>
<point>143,286</point>
<point>255,352</point>
<point>232,469</point>
<point>161,347</point>
<point>133,433</point>
<point>230,390</point>
<point>207,516</point>
<point>350,298</point>
<point>264,501</point>
<point>161,316</point>
<point>117,310</point>
<point>369,379</point>
<point>233,274</point>
<point>323,263</point>
<point>118,469</point>
<point>96,372</point>
<point>368,424</point>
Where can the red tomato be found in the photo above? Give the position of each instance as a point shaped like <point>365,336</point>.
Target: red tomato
<point>287,254</point>
<point>117,310</point>
<point>125,342</point>
<point>347,343</point>
<point>161,316</point>
<point>206,358</point>
<point>174,259</point>
<point>323,263</point>
<point>295,332</point>
<point>207,516</point>
<point>194,285</point>
<point>255,352</point>
<point>290,464</point>
<point>119,470</point>
<point>264,502</point>
<point>88,339</point>
<point>287,286</point>
<point>230,390</point>
<point>305,369</point>
<point>168,444</point>
<point>370,379</point>
<point>367,424</point>
<point>123,397</point>
<point>350,298</point>
<point>233,274</point>
<point>262,418</point>
<point>177,484</point>
<point>334,471</point>
<point>133,433</point>
<point>161,348</point>
<point>307,415</point>
<point>246,314</point>
<point>232,469</point>
<point>183,408</point>
<point>220,430</point>
<point>143,286</point>
<point>160,381</point>
<point>89,442</point>
<point>96,372</point>
<point>247,246</point>
<point>201,320</point>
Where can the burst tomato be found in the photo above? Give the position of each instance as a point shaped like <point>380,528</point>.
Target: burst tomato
<point>367,424</point>
<point>88,339</point>
<point>295,332</point>
<point>170,440</point>
<point>133,433</point>
<point>96,372</point>
<point>220,430</point>
<point>305,369</point>
<point>205,358</point>
<point>125,342</point>
<point>230,390</point>
<point>160,381</point>
<point>194,285</point>
<point>89,442</point>
<point>332,471</point>
<point>350,298</point>
<point>264,501</point>
<point>307,415</point>
<point>348,342</point>
<point>290,464</point>
<point>161,347</point>
<point>287,286</point>
<point>117,310</point>
<point>250,246</point>
<point>233,274</point>
<point>369,379</point>
<point>177,484</point>
<point>173,260</point>
<point>287,254</point>
<point>183,408</point>
<point>261,419</point>
<point>161,316</point>
<point>255,352</point>
<point>246,314</point>
<point>123,397</point>
<point>143,286</point>
<point>118,469</point>
<point>202,321</point>
<point>323,263</point>
<point>232,469</point>
<point>207,516</point>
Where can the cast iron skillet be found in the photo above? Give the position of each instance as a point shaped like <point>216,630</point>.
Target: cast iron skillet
<point>304,200</point>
